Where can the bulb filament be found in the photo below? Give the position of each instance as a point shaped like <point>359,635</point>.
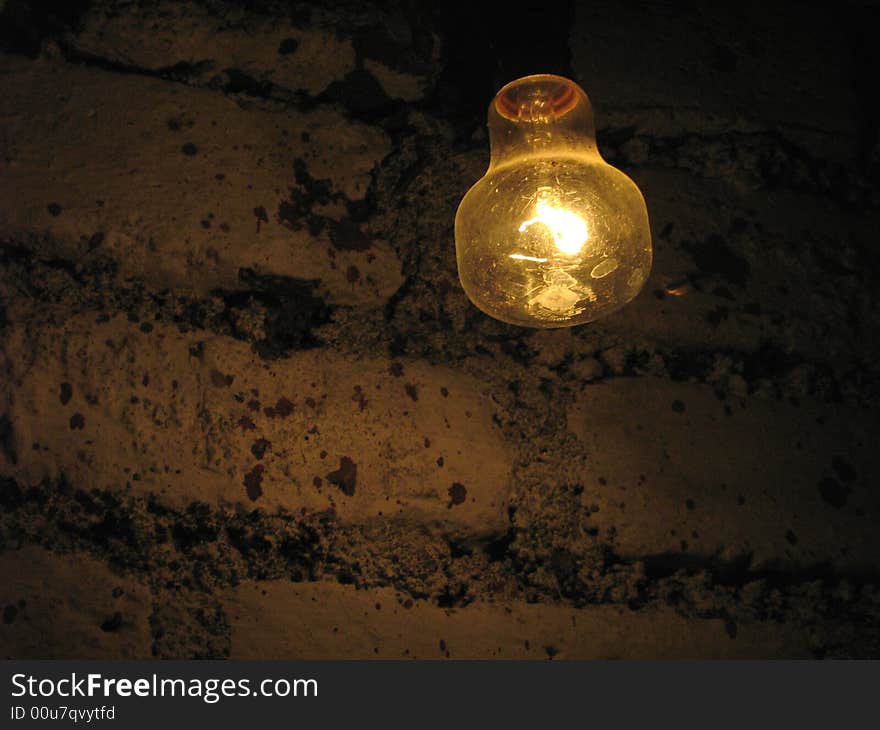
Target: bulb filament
<point>568,229</point>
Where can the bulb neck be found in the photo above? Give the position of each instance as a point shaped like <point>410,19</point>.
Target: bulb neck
<point>540,115</point>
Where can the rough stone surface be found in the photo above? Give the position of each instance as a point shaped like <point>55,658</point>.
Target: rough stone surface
<point>297,53</point>
<point>240,379</point>
<point>226,47</point>
<point>186,417</point>
<point>266,624</point>
<point>70,607</point>
<point>676,449</point>
<point>182,188</point>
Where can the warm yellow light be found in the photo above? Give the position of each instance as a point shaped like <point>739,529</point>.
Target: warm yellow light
<point>552,235</point>
<point>568,229</point>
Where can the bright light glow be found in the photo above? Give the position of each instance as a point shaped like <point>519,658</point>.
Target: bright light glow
<point>568,229</point>
<point>523,257</point>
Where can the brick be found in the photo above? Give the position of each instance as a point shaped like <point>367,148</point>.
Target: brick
<point>70,607</point>
<point>267,621</point>
<point>158,36</point>
<point>368,437</point>
<point>181,187</point>
<point>674,469</point>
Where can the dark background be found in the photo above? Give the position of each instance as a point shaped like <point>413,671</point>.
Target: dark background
<point>246,409</point>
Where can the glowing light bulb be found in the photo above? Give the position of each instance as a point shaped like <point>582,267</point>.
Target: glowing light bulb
<point>551,235</point>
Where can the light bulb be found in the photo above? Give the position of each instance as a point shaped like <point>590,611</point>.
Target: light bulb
<point>551,235</point>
